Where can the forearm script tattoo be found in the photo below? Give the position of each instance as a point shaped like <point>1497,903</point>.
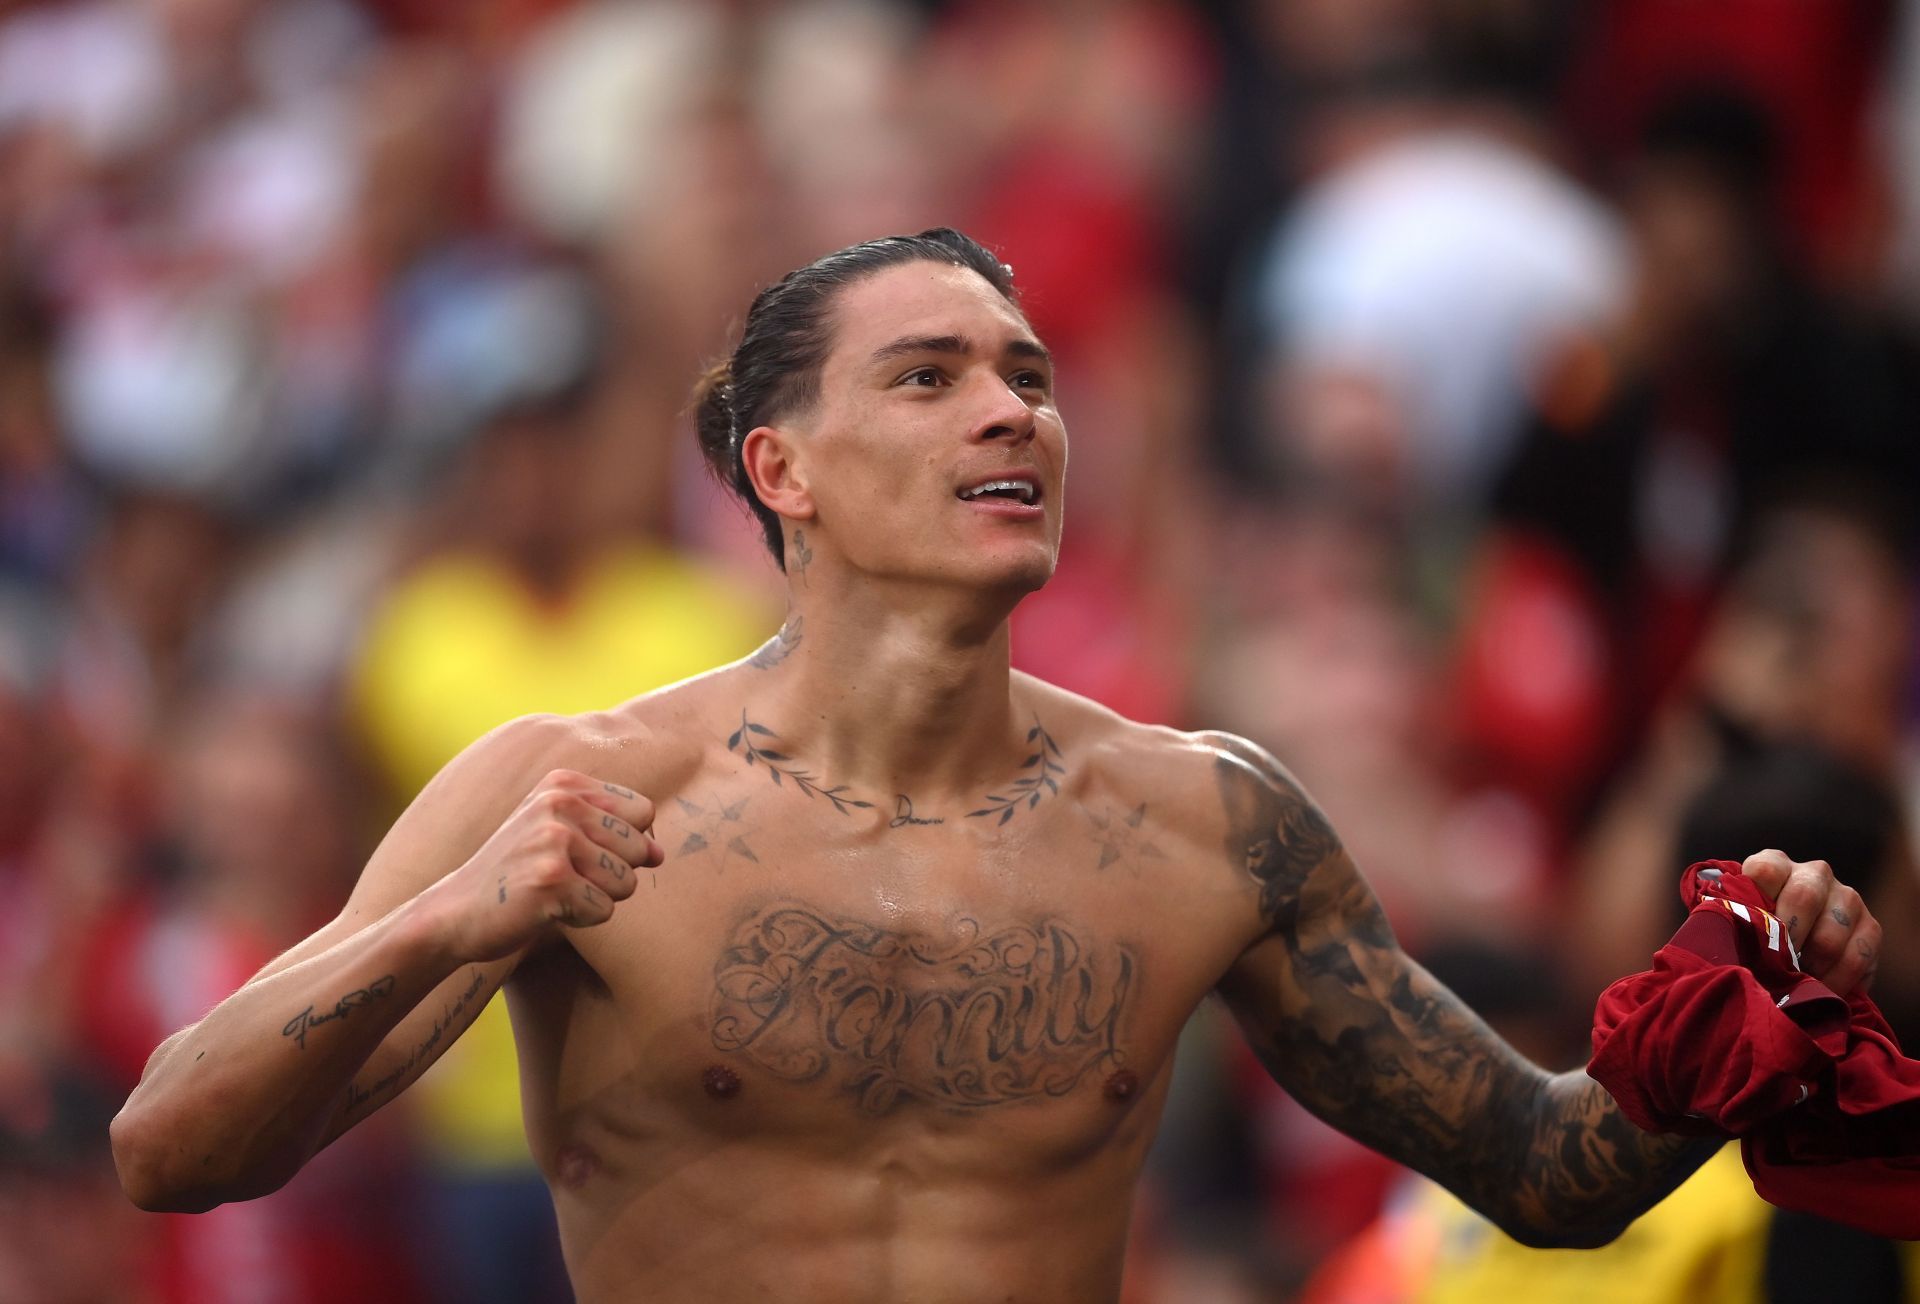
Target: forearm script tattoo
<point>1017,1012</point>
<point>304,1022</point>
<point>1371,1042</point>
<point>449,1021</point>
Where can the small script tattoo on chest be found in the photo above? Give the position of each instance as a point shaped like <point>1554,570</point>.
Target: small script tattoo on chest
<point>1017,1012</point>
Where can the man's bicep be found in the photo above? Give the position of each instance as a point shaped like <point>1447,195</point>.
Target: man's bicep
<point>1377,1046</point>
<point>1370,1042</point>
<point>455,814</point>
<point>1336,1011</point>
<point>444,824</point>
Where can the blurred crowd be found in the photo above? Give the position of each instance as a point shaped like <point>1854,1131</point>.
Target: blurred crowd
<point>1508,411</point>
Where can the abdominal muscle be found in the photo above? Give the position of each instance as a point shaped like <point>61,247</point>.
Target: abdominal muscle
<point>752,1219</point>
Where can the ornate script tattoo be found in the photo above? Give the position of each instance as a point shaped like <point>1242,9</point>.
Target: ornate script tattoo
<point>1014,1013</point>
<point>780,766</point>
<point>903,815</point>
<point>302,1023</point>
<point>447,1021</point>
<point>1038,778</point>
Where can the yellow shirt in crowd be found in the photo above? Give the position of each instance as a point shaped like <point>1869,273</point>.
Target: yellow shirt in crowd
<point>461,646</point>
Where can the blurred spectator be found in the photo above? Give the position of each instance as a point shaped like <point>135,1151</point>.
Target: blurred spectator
<point>1419,286</point>
<point>1814,641</point>
<point>1728,381</point>
<point>526,605</point>
<point>1535,313</point>
<point>1812,68</point>
<point>257,837</point>
<point>1417,293</point>
<point>44,507</point>
<point>67,1233</point>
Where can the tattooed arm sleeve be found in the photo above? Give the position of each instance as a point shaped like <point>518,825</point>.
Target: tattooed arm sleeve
<point>1372,1043</point>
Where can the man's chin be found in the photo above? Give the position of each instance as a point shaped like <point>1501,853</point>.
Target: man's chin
<point>1021,575</point>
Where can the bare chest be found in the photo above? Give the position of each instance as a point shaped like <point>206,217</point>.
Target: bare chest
<point>800,972</point>
<point>965,1014</point>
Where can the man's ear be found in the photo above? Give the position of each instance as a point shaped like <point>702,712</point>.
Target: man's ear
<point>773,469</point>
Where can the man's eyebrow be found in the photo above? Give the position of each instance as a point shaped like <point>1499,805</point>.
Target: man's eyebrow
<point>1030,349</point>
<point>911,344</point>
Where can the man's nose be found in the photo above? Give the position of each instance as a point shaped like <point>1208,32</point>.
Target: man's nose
<point>1003,413</point>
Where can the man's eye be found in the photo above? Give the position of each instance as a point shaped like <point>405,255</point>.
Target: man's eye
<point>925,377</point>
<point>1028,380</point>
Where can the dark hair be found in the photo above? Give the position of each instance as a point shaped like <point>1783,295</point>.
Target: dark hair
<point>775,369</point>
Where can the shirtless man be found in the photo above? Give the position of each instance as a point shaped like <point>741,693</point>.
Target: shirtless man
<point>853,971</point>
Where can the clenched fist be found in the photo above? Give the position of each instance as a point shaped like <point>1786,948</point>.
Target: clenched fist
<point>1837,937</point>
<point>564,856</point>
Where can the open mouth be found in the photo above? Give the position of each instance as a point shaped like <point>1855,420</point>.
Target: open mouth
<point>1021,491</point>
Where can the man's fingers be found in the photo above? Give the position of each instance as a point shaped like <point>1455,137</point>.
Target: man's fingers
<point>1799,890</point>
<point>611,798</point>
<point>1826,942</point>
<point>1844,951</point>
<point>583,906</point>
<point>605,869</point>
<point>622,839</point>
<point>1770,870</point>
<point>1837,938</point>
<point>1858,961</point>
<point>605,829</point>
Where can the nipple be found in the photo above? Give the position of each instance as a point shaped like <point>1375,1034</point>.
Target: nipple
<point>1122,1085</point>
<point>721,1082</point>
<point>574,1164</point>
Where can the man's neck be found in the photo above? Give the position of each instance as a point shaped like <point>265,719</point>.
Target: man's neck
<point>892,693</point>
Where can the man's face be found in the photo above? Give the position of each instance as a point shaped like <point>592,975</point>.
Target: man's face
<point>935,388</point>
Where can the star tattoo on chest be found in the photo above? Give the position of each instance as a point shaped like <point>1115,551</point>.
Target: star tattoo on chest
<point>1119,837</point>
<point>716,825</point>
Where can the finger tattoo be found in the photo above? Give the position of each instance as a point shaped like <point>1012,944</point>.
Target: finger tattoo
<point>612,866</point>
<point>609,822</point>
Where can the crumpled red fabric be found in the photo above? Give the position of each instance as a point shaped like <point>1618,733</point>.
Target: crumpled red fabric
<point>1725,1036</point>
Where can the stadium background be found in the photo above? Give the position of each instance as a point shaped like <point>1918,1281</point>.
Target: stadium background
<point>1508,411</point>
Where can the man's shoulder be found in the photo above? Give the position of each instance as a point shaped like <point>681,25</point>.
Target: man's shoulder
<point>647,742</point>
<point>1184,765</point>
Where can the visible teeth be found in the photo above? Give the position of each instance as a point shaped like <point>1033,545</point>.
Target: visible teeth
<point>1022,487</point>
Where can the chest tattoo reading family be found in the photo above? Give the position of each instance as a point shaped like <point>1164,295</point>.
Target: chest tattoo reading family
<point>1018,1012</point>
